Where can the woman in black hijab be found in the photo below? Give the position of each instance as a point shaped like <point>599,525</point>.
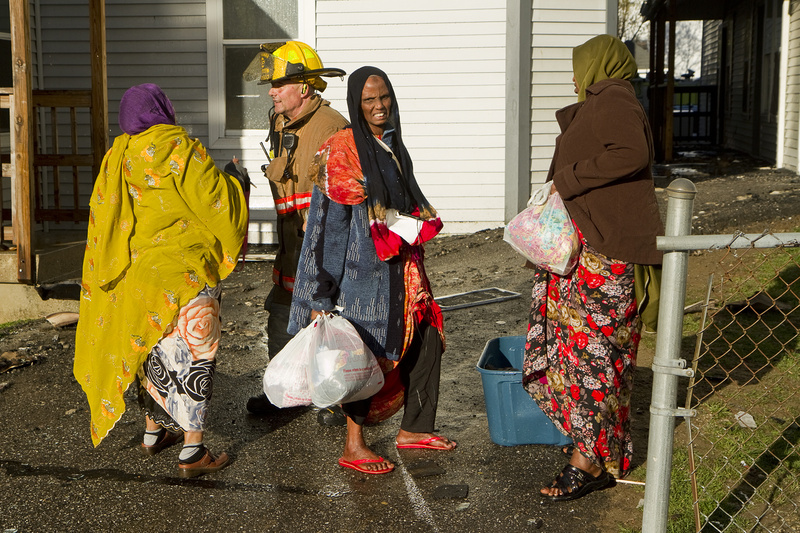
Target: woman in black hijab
<point>363,253</point>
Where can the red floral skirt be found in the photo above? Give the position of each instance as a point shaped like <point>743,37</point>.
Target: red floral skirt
<point>580,355</point>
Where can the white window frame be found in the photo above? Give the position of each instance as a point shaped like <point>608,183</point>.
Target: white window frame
<point>218,137</point>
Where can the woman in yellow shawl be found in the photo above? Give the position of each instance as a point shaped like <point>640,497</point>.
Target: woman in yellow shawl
<point>165,227</point>
<point>585,326</point>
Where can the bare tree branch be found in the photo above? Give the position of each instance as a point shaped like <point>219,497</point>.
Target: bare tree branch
<point>630,23</point>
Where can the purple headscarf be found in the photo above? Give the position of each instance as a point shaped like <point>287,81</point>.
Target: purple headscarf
<point>143,106</point>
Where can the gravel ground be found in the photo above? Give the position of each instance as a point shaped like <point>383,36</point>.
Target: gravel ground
<point>285,476</point>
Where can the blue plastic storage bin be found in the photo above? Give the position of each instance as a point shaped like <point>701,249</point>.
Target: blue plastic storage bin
<point>514,418</point>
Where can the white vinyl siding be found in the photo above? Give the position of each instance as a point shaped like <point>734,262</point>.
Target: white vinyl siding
<point>62,61</point>
<point>557,28</point>
<point>64,31</point>
<point>446,61</point>
<point>162,43</point>
<point>792,122</point>
<point>146,41</point>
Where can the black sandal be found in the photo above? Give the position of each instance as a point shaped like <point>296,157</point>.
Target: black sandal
<point>575,483</point>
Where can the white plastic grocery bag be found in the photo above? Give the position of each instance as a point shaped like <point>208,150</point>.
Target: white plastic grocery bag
<point>544,234</point>
<point>343,369</point>
<point>286,377</point>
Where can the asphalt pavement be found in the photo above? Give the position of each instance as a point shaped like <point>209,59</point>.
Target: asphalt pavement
<point>284,475</point>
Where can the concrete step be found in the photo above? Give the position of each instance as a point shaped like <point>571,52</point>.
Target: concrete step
<point>22,302</point>
<point>56,262</point>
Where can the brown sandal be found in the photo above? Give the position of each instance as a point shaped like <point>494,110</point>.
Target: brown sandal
<point>207,464</point>
<point>167,439</point>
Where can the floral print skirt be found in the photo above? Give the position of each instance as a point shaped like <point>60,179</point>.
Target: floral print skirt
<point>176,379</point>
<point>580,355</point>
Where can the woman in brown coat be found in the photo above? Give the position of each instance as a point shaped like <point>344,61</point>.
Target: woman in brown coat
<point>585,327</point>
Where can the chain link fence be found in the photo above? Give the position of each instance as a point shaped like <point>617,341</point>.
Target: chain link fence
<point>744,440</point>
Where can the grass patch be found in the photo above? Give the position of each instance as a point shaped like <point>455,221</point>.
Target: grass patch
<point>749,363</point>
<point>9,327</point>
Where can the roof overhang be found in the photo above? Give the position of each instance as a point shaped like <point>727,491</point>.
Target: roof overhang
<point>687,9</point>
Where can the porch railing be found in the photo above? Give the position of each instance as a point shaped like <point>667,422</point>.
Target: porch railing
<point>694,113</point>
<point>6,230</point>
<point>63,167</point>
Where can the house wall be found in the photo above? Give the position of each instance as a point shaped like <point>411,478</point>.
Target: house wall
<point>750,111</point>
<point>738,100</point>
<point>557,28</point>
<point>767,78</point>
<point>163,43</point>
<point>60,57</point>
<point>147,41</point>
<point>446,61</point>
<point>709,62</point>
<point>792,118</point>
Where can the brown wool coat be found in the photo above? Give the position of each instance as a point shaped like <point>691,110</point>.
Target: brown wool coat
<point>602,170</point>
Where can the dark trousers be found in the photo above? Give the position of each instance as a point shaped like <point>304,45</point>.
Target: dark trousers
<point>279,302</point>
<point>419,373</point>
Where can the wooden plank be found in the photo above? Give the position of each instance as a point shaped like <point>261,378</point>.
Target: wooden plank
<point>62,98</point>
<point>8,231</point>
<point>63,160</point>
<point>75,174</point>
<point>99,112</point>
<point>22,118</point>
<point>60,215</point>
<point>56,171</point>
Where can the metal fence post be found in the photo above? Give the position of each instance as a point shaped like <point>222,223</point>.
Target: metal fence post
<point>667,365</point>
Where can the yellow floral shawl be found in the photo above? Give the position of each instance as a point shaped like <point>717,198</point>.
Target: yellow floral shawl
<point>164,222</point>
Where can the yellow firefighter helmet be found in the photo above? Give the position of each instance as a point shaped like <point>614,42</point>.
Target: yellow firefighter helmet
<point>289,61</point>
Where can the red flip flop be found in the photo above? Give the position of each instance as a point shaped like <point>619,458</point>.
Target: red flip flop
<point>356,465</point>
<point>426,444</point>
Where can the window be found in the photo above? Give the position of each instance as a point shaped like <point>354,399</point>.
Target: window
<point>236,28</point>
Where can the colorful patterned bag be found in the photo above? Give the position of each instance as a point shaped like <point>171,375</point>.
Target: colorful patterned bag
<point>543,233</point>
